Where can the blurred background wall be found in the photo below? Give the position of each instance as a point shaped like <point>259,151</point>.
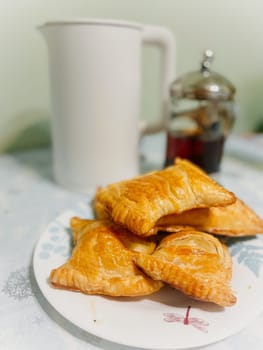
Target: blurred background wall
<point>233,29</point>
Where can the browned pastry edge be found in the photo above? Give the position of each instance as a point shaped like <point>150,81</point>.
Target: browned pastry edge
<point>236,220</point>
<point>139,203</point>
<point>208,291</point>
<point>101,264</point>
<point>196,263</point>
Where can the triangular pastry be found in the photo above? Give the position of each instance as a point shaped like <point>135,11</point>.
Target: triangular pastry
<point>139,203</point>
<point>236,219</point>
<point>101,264</point>
<point>193,262</point>
<point>129,240</point>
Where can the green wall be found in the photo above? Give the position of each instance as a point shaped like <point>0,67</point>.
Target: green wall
<point>232,28</point>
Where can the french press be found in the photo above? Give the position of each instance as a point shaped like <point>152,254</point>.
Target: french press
<point>201,116</point>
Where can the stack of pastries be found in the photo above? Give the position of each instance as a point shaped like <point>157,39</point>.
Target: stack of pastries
<point>158,229</point>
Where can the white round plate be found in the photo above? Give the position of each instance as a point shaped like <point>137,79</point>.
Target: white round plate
<point>164,320</point>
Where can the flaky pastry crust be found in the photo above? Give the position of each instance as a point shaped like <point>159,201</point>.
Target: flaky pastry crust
<point>193,262</point>
<point>139,203</point>
<point>101,264</point>
<point>236,220</point>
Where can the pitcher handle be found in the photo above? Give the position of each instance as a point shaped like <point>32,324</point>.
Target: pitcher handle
<point>164,39</point>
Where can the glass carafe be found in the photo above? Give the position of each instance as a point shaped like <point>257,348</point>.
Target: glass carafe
<point>201,117</point>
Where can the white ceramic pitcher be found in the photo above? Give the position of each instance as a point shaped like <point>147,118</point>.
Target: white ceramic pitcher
<point>95,75</point>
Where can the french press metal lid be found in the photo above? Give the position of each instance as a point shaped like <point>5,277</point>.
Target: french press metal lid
<point>203,84</point>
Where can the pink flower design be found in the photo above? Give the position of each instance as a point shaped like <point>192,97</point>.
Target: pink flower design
<point>196,322</point>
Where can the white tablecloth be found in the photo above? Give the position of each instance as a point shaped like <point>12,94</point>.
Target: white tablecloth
<point>29,200</point>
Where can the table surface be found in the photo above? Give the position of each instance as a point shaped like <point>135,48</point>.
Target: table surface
<point>29,200</point>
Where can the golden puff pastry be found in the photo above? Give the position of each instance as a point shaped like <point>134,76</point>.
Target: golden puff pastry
<point>131,241</point>
<point>101,264</point>
<point>236,219</point>
<point>193,262</point>
<point>78,226</point>
<point>139,203</point>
